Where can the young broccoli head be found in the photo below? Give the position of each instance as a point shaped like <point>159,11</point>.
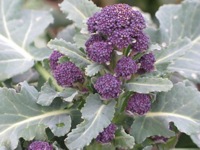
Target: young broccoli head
<point>107,135</point>
<point>108,86</point>
<point>68,73</point>
<point>53,59</point>
<point>147,63</point>
<point>116,17</point>
<point>40,145</point>
<point>126,67</point>
<point>100,52</point>
<point>138,104</point>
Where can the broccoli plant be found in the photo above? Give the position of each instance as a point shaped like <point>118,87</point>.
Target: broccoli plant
<point>112,79</point>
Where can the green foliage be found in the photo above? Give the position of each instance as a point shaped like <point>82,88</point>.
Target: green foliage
<point>173,106</point>
<point>48,94</point>
<point>17,55</point>
<point>96,117</point>
<point>123,140</point>
<point>93,69</point>
<point>71,51</point>
<point>21,116</point>
<point>78,10</point>
<point>178,22</point>
<point>147,85</point>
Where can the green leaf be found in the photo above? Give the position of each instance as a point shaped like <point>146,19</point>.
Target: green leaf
<point>18,29</point>
<point>173,106</point>
<point>68,94</point>
<point>48,94</point>
<point>196,139</point>
<point>68,33</point>
<point>93,69</point>
<point>96,117</point>
<point>179,22</point>
<point>80,39</point>
<point>71,51</point>
<point>147,85</point>
<point>172,52</point>
<point>19,112</point>
<point>78,10</point>
<point>99,146</point>
<point>123,140</point>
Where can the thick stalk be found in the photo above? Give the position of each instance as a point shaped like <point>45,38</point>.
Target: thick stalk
<point>46,75</point>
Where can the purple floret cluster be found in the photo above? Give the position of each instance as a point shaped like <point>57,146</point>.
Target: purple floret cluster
<point>126,67</point>
<point>40,145</point>
<point>107,135</point>
<point>67,73</point>
<point>53,59</point>
<point>108,86</point>
<point>120,26</point>
<point>100,52</point>
<point>147,62</point>
<point>138,104</point>
<point>159,139</point>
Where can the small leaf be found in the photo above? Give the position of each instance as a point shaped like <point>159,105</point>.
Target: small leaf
<point>80,39</point>
<point>19,112</point>
<point>93,69</point>
<point>48,94</point>
<point>68,33</point>
<point>71,51</point>
<point>147,85</point>
<point>173,106</point>
<point>123,140</point>
<point>96,117</point>
<point>68,94</point>
<point>78,10</point>
<point>16,55</point>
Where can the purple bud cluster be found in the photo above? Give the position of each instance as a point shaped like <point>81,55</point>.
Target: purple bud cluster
<point>107,135</point>
<point>40,145</point>
<point>53,59</point>
<point>138,104</point>
<point>147,63</point>
<point>100,52</point>
<point>108,86</point>
<point>67,73</point>
<point>121,26</point>
<point>125,67</point>
<point>159,139</point>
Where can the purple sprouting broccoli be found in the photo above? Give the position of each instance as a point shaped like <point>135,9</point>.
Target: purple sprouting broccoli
<point>68,73</point>
<point>53,59</point>
<point>121,38</point>
<point>100,52</point>
<point>140,42</point>
<point>116,17</point>
<point>40,145</point>
<point>126,67</point>
<point>147,63</point>
<point>94,38</point>
<point>138,104</point>
<point>107,135</point>
<point>159,139</point>
<point>108,86</point>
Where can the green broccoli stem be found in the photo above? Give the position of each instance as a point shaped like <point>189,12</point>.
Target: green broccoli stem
<point>46,75</point>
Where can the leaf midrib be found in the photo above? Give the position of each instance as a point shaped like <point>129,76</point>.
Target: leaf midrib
<point>15,125</point>
<point>168,114</point>
<point>94,120</point>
